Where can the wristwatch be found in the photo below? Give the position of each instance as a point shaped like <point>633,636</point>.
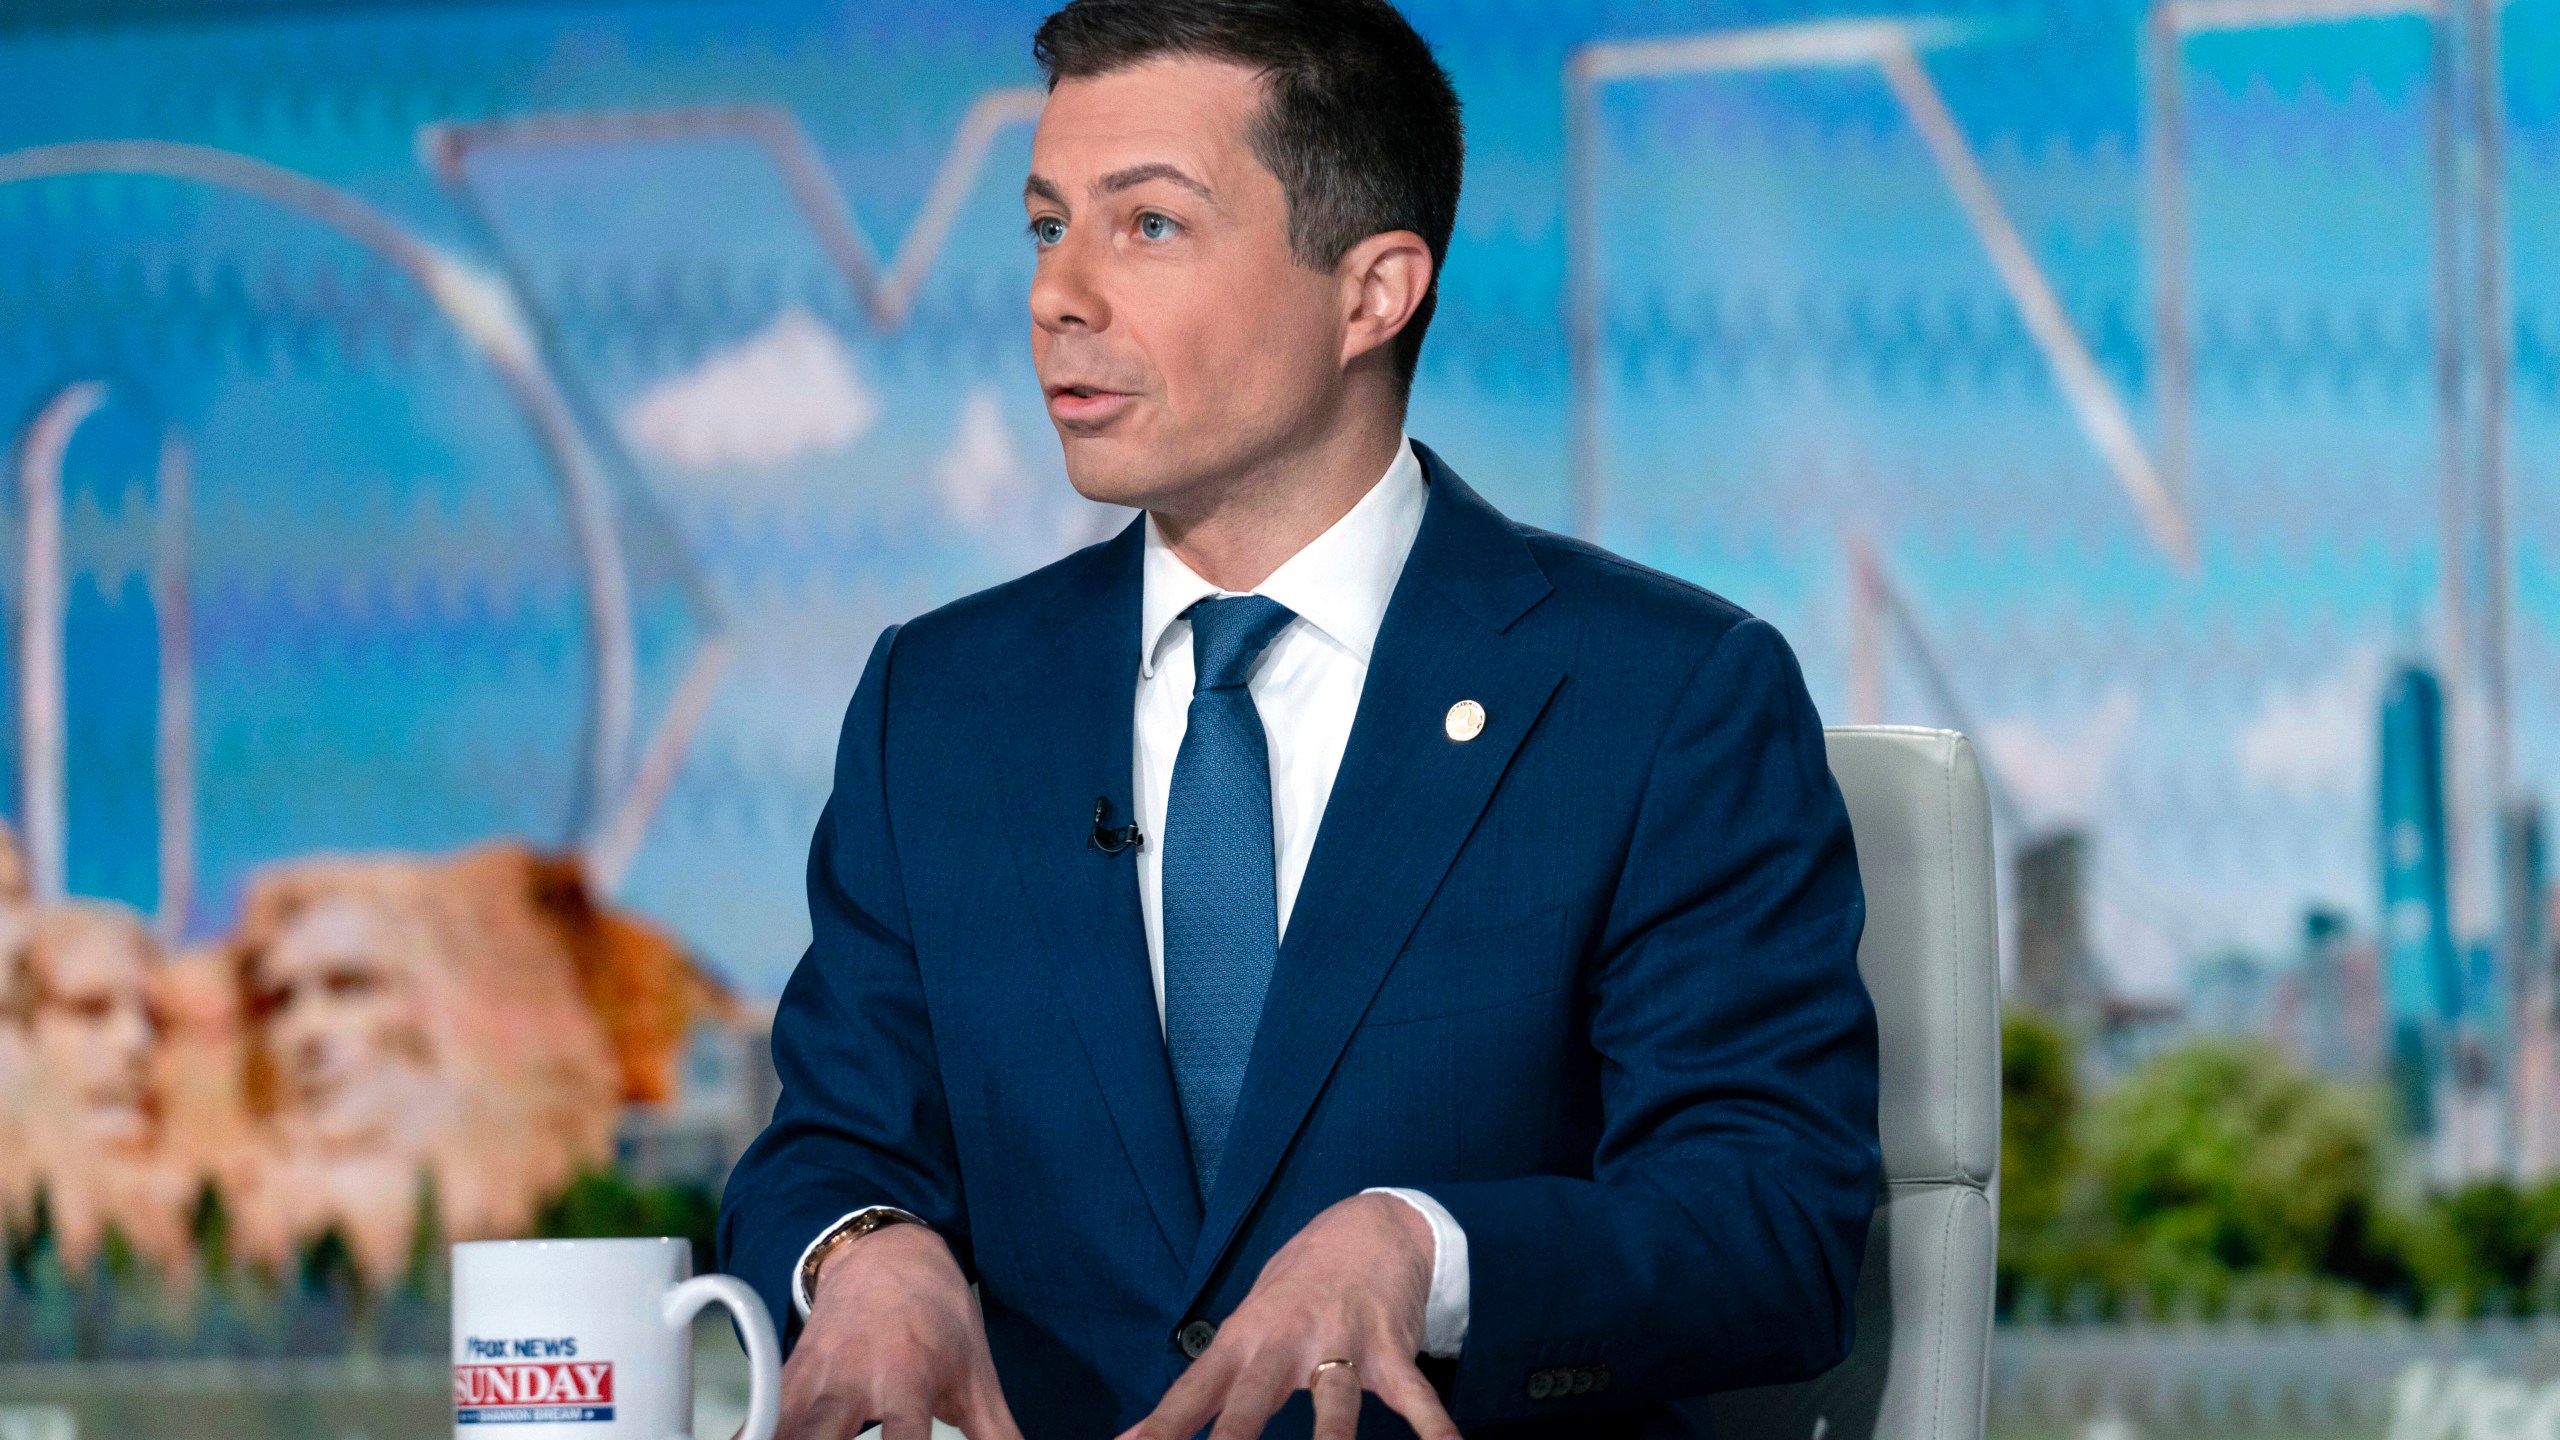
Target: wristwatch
<point>844,1232</point>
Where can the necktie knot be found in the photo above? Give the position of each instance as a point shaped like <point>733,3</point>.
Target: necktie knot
<point>1228,633</point>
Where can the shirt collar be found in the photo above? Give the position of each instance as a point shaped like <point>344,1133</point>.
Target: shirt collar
<point>1339,582</point>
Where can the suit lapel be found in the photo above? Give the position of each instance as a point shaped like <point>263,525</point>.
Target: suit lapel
<point>1405,800</point>
<point>1082,699</point>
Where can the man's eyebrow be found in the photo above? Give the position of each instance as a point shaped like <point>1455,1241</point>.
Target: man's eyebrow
<point>1154,170</point>
<point>1039,186</point>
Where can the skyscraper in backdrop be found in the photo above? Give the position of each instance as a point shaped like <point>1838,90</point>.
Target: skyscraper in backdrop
<point>2524,894</point>
<point>2056,974</point>
<point>2328,1005</point>
<point>2423,975</point>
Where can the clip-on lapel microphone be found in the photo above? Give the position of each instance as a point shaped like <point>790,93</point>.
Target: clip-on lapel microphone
<point>1107,838</point>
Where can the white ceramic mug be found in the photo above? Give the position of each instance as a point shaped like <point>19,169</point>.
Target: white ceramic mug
<point>593,1340</point>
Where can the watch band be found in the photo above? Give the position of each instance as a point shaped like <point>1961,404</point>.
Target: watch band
<point>837,1236</point>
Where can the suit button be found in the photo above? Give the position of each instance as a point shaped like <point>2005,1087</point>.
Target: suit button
<point>1582,1381</point>
<point>1542,1384</point>
<point>1194,1338</point>
<point>1599,1377</point>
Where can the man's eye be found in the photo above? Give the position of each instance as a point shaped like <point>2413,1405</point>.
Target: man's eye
<point>1156,227</point>
<point>1048,230</point>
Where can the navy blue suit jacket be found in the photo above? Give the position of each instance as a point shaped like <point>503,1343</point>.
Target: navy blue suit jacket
<point>1589,979</point>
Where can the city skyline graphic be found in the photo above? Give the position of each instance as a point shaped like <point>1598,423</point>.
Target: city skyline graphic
<point>439,422</point>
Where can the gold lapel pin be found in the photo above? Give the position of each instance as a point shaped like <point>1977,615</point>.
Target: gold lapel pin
<point>1464,722</point>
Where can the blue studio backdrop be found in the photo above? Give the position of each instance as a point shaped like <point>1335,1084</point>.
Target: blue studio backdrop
<point>442,421</point>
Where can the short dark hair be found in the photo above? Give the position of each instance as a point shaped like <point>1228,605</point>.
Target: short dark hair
<point>1361,124</point>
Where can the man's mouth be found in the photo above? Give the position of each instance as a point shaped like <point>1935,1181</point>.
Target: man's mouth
<point>115,1095</point>
<point>1086,405</point>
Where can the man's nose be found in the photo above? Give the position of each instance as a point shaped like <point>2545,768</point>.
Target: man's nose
<point>131,1030</point>
<point>1064,295</point>
<point>299,1036</point>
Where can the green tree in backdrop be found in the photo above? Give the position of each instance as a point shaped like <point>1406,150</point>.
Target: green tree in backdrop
<point>2222,1158</point>
<point>2213,1166</point>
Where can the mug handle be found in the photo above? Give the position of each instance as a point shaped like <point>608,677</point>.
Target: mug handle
<point>764,1353</point>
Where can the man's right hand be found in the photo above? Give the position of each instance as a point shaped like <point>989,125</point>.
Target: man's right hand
<point>893,1339</point>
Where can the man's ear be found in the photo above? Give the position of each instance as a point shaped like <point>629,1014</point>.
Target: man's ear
<point>1384,281</point>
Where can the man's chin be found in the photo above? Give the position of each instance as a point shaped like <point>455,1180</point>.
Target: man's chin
<point>1111,472</point>
<point>116,1121</point>
<point>340,1132</point>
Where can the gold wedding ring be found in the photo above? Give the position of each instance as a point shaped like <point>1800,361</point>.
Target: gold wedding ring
<point>1323,1365</point>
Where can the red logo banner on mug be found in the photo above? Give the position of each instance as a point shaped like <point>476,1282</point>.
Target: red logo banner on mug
<point>540,1391</point>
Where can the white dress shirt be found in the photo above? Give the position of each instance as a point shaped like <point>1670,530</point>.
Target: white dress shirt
<point>1306,687</point>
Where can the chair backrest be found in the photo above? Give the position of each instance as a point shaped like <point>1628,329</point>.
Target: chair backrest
<point>1921,1363</point>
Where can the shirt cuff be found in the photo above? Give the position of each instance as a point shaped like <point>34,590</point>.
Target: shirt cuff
<point>800,1298</point>
<point>1444,1314</point>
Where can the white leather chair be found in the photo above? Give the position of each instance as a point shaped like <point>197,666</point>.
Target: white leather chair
<point>1921,1363</point>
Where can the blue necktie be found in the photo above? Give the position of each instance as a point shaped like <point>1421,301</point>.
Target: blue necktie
<point>1221,887</point>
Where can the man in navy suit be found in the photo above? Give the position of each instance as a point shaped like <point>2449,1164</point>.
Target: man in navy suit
<point>1329,958</point>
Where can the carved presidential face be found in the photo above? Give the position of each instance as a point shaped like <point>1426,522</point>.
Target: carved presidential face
<point>17,1001</point>
<point>342,1025</point>
<point>90,1030</point>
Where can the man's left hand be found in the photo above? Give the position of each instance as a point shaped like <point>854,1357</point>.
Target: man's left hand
<point>1350,1286</point>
